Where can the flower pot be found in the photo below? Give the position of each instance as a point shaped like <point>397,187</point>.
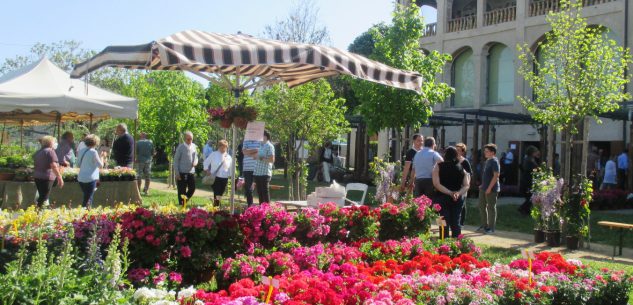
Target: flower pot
<point>240,122</point>
<point>225,123</point>
<point>553,238</point>
<point>539,236</point>
<point>572,242</point>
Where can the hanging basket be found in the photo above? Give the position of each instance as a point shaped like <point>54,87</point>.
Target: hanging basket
<point>225,123</point>
<point>240,122</point>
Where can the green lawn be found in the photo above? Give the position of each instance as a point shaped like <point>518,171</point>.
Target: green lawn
<point>509,219</point>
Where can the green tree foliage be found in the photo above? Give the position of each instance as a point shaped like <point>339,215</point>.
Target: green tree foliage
<point>66,54</point>
<point>169,104</point>
<point>579,73</point>
<point>309,112</point>
<point>301,25</point>
<point>399,47</point>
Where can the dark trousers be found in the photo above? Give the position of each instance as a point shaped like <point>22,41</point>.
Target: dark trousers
<point>526,207</point>
<point>451,211</point>
<point>462,216</point>
<point>621,178</point>
<point>424,186</point>
<point>88,188</point>
<point>263,185</point>
<point>43,189</point>
<point>186,186</point>
<point>248,187</point>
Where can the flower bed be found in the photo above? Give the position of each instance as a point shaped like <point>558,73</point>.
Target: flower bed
<point>613,199</point>
<point>319,256</point>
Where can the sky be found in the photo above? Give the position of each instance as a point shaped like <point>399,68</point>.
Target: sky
<point>97,24</point>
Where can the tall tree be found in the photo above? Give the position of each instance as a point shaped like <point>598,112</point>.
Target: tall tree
<point>308,114</point>
<point>399,46</point>
<point>579,73</point>
<point>169,104</point>
<point>301,25</point>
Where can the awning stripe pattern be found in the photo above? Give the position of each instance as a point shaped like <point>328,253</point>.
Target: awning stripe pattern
<point>292,63</point>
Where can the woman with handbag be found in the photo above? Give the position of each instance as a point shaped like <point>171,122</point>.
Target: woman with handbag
<point>89,164</point>
<point>218,168</point>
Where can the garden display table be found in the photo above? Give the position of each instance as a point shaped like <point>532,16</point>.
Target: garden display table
<point>620,227</point>
<point>16,195</point>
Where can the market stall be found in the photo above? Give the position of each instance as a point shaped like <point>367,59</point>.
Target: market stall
<point>42,93</point>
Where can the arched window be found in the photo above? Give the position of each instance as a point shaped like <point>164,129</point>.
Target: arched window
<point>463,79</point>
<point>500,75</point>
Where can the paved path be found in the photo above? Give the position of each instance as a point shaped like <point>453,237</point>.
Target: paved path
<point>518,241</point>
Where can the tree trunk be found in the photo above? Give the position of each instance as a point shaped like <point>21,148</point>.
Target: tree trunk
<point>551,140</point>
<point>585,146</point>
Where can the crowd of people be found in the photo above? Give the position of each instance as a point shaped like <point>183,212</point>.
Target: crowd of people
<point>53,158</point>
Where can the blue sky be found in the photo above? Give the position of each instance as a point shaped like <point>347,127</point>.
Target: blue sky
<point>98,24</point>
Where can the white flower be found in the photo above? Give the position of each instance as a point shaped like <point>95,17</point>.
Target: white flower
<point>145,293</point>
<point>186,293</point>
<point>198,302</point>
<point>163,302</point>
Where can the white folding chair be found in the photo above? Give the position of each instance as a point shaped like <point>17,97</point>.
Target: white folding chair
<point>356,187</point>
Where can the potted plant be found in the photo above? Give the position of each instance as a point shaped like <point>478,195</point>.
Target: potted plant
<point>547,197</point>
<point>240,115</point>
<point>576,212</point>
<point>218,114</point>
<point>539,225</point>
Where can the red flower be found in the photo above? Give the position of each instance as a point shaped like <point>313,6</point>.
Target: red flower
<point>185,251</point>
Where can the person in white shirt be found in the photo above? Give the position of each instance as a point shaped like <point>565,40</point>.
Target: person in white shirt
<point>623,166</point>
<point>219,164</point>
<point>609,180</point>
<point>89,164</point>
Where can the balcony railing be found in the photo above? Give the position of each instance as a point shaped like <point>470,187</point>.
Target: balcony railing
<point>430,30</point>
<point>501,15</point>
<point>542,7</point>
<point>462,24</point>
<point>596,2</point>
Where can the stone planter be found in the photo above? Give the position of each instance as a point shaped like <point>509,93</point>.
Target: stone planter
<point>552,238</point>
<point>539,236</point>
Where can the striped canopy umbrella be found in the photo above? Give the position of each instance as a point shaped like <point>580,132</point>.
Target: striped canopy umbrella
<point>252,61</point>
<point>258,61</point>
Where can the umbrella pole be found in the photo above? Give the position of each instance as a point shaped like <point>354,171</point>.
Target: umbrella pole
<point>237,93</point>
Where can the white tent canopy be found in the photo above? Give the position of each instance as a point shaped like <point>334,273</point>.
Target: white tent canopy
<point>43,92</point>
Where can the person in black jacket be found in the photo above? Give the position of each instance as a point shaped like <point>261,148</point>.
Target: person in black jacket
<point>326,159</point>
<point>452,183</point>
<point>123,147</point>
<point>530,163</point>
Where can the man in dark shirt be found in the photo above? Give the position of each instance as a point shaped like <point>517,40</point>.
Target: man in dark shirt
<point>123,147</point>
<point>489,189</point>
<point>418,140</point>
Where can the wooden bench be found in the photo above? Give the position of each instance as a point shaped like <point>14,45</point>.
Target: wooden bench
<point>620,227</point>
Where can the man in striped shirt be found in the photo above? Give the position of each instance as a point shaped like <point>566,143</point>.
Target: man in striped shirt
<point>250,150</point>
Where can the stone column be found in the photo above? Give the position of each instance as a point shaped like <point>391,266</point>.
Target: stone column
<point>481,9</point>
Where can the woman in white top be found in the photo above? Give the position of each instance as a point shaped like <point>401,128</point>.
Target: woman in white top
<point>89,163</point>
<point>218,164</point>
<point>610,174</point>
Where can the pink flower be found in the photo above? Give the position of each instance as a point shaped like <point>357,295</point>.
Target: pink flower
<point>175,277</point>
<point>437,207</point>
<point>160,278</point>
<point>185,251</point>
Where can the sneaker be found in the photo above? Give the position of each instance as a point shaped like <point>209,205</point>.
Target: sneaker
<point>489,231</point>
<point>481,228</point>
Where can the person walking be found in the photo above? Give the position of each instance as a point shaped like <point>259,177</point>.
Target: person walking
<point>64,151</point>
<point>123,147</point>
<point>46,170</point>
<point>452,182</point>
<point>185,162</point>
<point>530,163</point>
<point>145,152</point>
<point>219,164</point>
<point>610,175</point>
<point>327,159</point>
<point>264,168</point>
<point>489,189</point>
<point>250,149</point>
<point>423,164</point>
<point>89,163</point>
<point>418,141</point>
<point>623,166</point>
<point>207,149</point>
<point>463,161</point>
<point>104,152</point>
